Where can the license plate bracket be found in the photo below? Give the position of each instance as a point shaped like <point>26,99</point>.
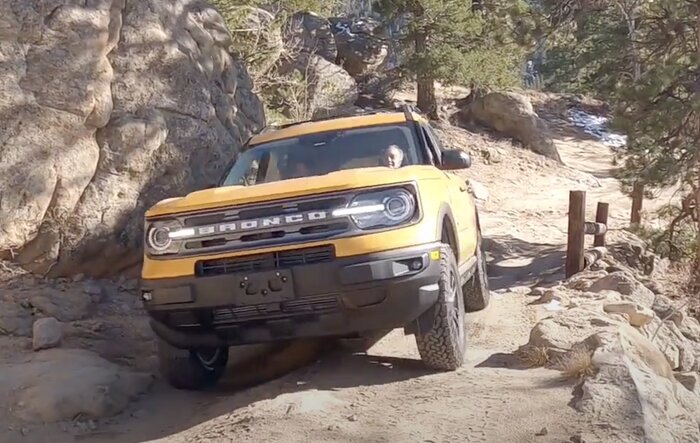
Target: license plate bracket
<point>264,287</point>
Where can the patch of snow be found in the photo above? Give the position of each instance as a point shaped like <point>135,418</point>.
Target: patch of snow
<point>596,126</point>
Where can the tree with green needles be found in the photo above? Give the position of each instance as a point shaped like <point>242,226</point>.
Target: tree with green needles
<point>457,42</point>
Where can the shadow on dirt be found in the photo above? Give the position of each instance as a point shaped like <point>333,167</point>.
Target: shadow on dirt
<point>514,262</point>
<point>341,368</point>
<point>502,360</point>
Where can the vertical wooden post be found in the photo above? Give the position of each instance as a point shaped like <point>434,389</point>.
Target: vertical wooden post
<point>601,216</point>
<point>637,203</point>
<point>576,241</point>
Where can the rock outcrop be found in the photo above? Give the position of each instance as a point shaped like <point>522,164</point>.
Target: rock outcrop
<point>511,114</point>
<point>310,33</point>
<point>107,107</point>
<point>636,353</point>
<point>362,44</point>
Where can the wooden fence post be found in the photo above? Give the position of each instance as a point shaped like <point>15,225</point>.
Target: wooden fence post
<point>576,235</point>
<point>601,216</point>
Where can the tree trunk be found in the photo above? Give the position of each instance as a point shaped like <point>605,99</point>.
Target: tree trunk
<point>637,203</point>
<point>426,86</point>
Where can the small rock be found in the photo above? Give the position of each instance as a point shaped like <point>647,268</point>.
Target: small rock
<point>638,315</point>
<point>47,333</point>
<point>537,292</point>
<point>92,288</point>
<point>691,380</point>
<point>352,418</point>
<point>130,285</point>
<point>479,191</point>
<point>578,438</point>
<point>139,413</point>
<point>542,432</point>
<point>78,278</point>
<point>553,296</point>
<point>521,290</point>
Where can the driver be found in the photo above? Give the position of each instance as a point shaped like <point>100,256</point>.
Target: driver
<point>296,168</point>
<point>392,157</point>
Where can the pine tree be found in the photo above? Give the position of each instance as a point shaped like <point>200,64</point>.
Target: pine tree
<point>643,56</point>
<point>459,42</point>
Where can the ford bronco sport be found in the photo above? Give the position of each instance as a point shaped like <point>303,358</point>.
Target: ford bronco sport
<point>310,234</point>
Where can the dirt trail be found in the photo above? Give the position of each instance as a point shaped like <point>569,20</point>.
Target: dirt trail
<point>386,395</point>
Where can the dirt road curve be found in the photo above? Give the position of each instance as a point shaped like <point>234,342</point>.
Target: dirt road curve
<point>386,395</point>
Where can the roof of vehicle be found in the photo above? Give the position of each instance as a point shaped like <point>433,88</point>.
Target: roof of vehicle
<point>334,124</point>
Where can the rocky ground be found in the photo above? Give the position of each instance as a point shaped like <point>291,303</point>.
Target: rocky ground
<point>607,356</point>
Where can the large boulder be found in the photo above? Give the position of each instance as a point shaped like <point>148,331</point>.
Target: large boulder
<point>362,44</point>
<point>62,384</point>
<point>107,107</point>
<point>634,389</point>
<point>512,114</point>
<point>310,33</point>
<point>326,86</point>
<point>257,39</point>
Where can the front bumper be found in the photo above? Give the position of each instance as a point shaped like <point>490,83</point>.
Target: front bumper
<point>339,297</point>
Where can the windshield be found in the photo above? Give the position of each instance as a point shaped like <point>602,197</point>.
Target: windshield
<point>321,153</point>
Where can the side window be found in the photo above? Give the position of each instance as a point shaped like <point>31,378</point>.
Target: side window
<point>432,144</point>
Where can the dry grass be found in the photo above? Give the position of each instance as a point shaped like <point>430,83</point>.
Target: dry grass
<point>576,364</point>
<point>533,356</point>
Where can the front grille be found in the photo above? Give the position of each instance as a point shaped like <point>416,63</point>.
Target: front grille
<point>265,262</point>
<point>303,220</point>
<point>275,311</point>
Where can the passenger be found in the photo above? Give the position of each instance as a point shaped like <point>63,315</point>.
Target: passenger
<point>393,157</point>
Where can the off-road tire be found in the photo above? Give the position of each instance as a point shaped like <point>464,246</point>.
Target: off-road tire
<point>191,369</point>
<point>444,345</point>
<point>477,292</point>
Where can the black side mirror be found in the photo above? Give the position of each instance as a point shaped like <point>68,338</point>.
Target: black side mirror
<point>455,159</point>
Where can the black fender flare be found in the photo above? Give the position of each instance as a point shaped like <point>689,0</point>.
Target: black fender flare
<point>445,212</point>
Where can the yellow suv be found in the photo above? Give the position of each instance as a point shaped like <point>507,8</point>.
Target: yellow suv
<point>339,227</point>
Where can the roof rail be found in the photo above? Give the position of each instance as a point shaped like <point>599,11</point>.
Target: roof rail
<point>409,110</point>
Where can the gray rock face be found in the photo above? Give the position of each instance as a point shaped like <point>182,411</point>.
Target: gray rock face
<point>107,107</point>
<point>309,32</point>
<point>14,319</point>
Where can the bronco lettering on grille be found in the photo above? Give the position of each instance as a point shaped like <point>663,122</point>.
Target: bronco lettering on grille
<point>261,223</point>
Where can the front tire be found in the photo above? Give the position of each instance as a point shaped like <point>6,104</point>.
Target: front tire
<point>194,369</point>
<point>443,346</point>
<point>477,292</point>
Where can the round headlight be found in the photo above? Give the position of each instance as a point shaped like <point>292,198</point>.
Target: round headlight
<point>398,206</point>
<point>159,238</point>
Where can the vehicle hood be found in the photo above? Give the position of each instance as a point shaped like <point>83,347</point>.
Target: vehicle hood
<point>335,181</point>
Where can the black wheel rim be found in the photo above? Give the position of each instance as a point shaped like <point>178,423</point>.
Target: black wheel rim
<point>208,358</point>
